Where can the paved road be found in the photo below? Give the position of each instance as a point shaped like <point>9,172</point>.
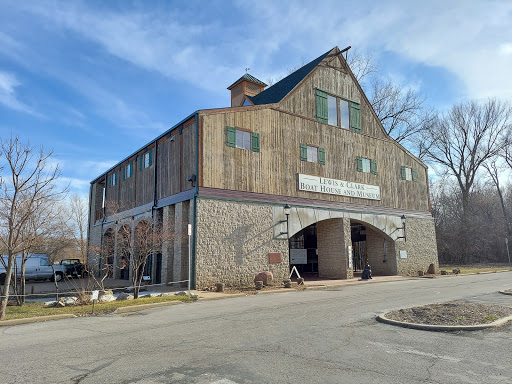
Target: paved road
<point>322,336</point>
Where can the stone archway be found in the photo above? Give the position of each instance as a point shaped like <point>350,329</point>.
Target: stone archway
<point>335,243</point>
<point>106,263</point>
<point>124,251</point>
<point>379,248</point>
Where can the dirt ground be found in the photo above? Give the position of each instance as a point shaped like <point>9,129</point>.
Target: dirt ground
<point>451,313</point>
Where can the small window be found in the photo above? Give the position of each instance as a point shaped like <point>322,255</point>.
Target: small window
<point>312,154</point>
<point>243,139</point>
<point>366,165</point>
<point>146,160</point>
<point>128,170</point>
<point>409,174</point>
<point>114,178</point>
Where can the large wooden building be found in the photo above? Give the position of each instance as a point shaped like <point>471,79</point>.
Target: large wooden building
<point>301,173</point>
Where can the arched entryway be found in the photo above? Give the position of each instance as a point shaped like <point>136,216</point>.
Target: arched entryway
<point>339,247</point>
<point>106,263</point>
<point>124,252</point>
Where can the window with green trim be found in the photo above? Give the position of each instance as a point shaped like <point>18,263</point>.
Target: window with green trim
<point>334,110</point>
<point>112,179</point>
<point>238,138</point>
<point>145,160</point>
<point>366,165</point>
<point>312,154</point>
<point>409,174</point>
<point>128,170</point>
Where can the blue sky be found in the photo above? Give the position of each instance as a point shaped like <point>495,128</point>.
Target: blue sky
<point>95,80</point>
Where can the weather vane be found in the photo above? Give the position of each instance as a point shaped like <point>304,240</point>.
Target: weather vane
<point>247,70</point>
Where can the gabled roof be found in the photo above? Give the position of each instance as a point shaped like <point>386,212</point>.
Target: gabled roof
<point>279,90</point>
<point>248,77</point>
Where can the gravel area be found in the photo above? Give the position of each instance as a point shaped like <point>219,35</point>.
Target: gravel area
<point>452,313</point>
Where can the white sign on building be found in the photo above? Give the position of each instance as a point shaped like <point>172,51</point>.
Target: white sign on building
<point>298,256</point>
<point>338,187</point>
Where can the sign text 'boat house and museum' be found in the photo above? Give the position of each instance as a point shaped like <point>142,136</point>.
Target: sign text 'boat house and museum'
<point>338,187</point>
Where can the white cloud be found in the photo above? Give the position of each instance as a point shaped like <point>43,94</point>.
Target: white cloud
<point>466,38</point>
<point>8,85</point>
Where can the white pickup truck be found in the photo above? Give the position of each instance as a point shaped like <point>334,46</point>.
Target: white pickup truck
<point>37,267</point>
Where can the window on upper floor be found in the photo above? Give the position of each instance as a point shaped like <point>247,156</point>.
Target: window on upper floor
<point>312,154</point>
<point>410,174</point>
<point>239,138</point>
<point>146,160</point>
<point>366,165</point>
<point>333,110</point>
<point>128,170</point>
<point>112,179</point>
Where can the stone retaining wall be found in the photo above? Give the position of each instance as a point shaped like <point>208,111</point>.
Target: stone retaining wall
<point>234,240</point>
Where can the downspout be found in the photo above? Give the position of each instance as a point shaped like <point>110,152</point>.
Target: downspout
<point>89,222</point>
<point>194,213</point>
<point>154,178</point>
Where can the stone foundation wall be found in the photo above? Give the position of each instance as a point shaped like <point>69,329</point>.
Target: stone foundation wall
<point>333,238</point>
<point>378,252</point>
<point>233,243</point>
<point>421,247</point>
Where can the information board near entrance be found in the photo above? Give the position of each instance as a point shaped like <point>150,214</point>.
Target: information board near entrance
<point>338,187</point>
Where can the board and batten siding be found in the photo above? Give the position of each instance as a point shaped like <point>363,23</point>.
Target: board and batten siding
<point>274,169</point>
<point>335,81</point>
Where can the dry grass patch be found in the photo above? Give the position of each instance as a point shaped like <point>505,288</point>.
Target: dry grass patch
<point>36,309</point>
<point>452,313</point>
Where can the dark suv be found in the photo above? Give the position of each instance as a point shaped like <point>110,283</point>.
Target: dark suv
<point>74,267</point>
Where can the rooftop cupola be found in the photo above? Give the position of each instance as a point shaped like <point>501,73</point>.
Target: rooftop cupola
<point>247,85</point>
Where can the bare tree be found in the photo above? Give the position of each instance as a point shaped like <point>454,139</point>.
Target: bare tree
<point>362,64</point>
<point>402,112</point>
<point>493,170</point>
<point>78,222</point>
<point>147,240</point>
<point>29,187</point>
<point>467,137</point>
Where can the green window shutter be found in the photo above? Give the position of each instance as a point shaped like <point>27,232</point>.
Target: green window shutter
<point>131,168</point>
<point>230,136</point>
<point>124,172</point>
<point>303,152</point>
<point>109,180</point>
<point>355,117</point>
<point>402,172</point>
<point>150,157</point>
<point>321,155</point>
<point>141,162</point>
<point>414,174</point>
<point>321,106</point>
<point>359,164</point>
<point>373,166</point>
<point>255,142</point>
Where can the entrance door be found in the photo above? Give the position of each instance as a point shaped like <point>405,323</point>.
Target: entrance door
<point>306,240</point>
<point>359,250</point>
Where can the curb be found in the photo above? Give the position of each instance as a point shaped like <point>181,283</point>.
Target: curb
<point>444,328</point>
<point>28,320</point>
<point>507,292</point>
<point>141,307</point>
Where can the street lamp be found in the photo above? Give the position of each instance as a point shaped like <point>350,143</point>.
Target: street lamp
<point>286,210</point>
<point>403,228</point>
